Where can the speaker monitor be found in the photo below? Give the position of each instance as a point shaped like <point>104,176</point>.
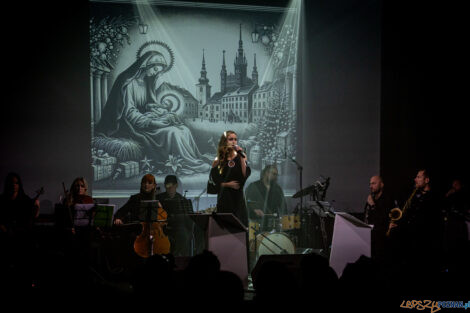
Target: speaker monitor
<point>291,261</point>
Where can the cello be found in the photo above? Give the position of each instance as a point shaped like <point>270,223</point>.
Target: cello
<point>153,239</point>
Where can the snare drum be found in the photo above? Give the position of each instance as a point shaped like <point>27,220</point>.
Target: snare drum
<point>274,243</point>
<point>290,222</point>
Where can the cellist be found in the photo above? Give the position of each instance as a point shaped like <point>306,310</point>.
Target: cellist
<point>130,212</point>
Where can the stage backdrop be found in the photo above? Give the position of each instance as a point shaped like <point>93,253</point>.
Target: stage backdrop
<point>61,79</point>
<point>168,78</point>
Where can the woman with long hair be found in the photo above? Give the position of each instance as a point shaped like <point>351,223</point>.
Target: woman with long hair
<point>78,193</point>
<point>129,212</point>
<point>229,173</point>
<point>17,210</point>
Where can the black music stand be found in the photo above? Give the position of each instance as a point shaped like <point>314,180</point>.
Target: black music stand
<point>226,237</point>
<point>148,211</point>
<point>325,214</point>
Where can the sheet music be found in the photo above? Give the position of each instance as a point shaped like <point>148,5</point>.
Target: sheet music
<point>104,215</point>
<point>82,214</point>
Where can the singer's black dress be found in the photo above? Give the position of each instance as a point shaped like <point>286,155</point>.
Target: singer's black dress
<point>230,200</point>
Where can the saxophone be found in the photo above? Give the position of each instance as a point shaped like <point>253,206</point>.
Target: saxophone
<point>397,213</point>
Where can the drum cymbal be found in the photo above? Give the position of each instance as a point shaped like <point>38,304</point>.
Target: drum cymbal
<point>305,192</point>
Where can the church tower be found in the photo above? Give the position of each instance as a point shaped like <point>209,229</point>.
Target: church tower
<point>203,89</point>
<point>254,73</point>
<point>240,63</point>
<point>223,75</point>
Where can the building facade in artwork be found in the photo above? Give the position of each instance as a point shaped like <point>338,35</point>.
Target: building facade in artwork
<point>234,101</point>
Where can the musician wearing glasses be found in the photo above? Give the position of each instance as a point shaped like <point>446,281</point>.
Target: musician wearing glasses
<point>229,173</point>
<point>265,199</point>
<point>376,210</point>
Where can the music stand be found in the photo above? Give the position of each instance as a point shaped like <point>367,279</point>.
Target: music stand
<point>148,211</point>
<point>179,227</point>
<point>351,239</point>
<point>103,215</point>
<point>323,210</point>
<point>226,237</point>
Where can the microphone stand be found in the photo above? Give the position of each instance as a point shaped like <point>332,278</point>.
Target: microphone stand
<point>197,199</point>
<point>322,215</point>
<point>302,222</point>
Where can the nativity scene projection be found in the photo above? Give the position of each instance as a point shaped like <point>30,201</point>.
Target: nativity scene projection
<point>167,81</point>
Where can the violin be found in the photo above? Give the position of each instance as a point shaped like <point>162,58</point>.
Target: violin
<point>153,239</point>
<point>36,209</point>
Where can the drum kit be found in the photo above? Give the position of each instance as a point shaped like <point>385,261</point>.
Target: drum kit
<point>277,240</point>
<point>287,233</point>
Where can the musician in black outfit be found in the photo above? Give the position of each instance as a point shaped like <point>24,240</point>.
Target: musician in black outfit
<point>17,210</point>
<point>179,229</point>
<point>229,173</point>
<point>265,199</point>
<point>130,211</point>
<point>17,241</point>
<point>376,210</point>
<point>417,236</point>
<point>456,233</point>
<point>456,199</point>
<point>120,252</point>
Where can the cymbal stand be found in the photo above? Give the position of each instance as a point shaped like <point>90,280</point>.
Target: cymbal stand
<point>301,216</point>
<point>322,226</point>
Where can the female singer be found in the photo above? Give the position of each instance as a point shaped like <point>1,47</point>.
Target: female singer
<point>230,172</point>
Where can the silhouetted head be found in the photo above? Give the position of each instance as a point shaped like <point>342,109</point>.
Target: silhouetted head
<point>13,184</point>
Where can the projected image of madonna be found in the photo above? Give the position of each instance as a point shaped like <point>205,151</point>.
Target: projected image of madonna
<point>132,112</point>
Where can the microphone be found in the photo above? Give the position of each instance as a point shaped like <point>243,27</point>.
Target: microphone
<point>242,153</point>
<point>297,163</point>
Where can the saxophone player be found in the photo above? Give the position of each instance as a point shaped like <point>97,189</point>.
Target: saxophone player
<point>417,231</point>
<point>377,207</point>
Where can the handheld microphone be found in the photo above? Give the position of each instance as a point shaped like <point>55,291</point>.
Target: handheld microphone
<point>242,153</point>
